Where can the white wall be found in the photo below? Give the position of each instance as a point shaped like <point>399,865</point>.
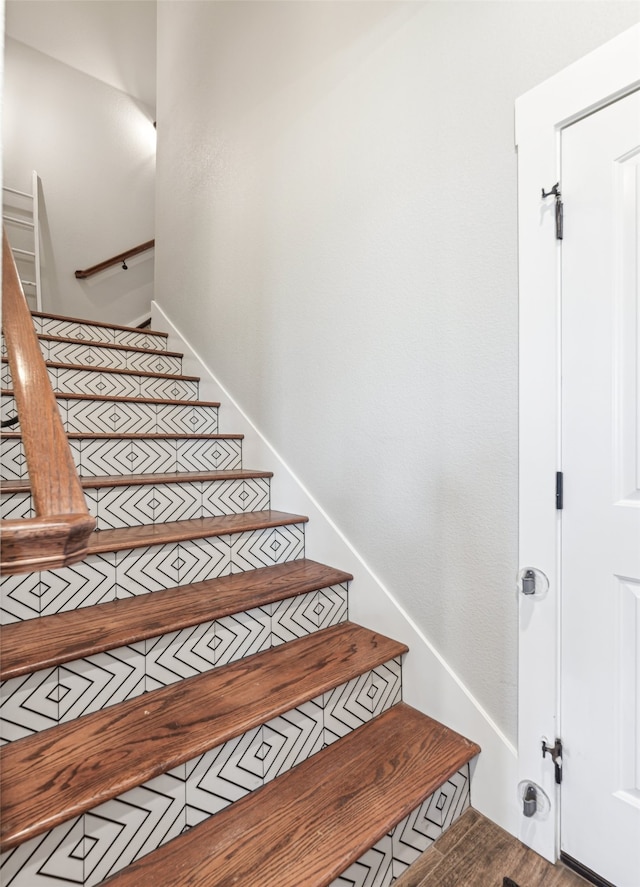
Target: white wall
<point>94,149</point>
<point>336,229</point>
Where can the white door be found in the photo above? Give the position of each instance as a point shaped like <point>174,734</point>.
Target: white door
<point>600,611</point>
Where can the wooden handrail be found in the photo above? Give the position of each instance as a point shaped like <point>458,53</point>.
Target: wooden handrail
<point>59,533</point>
<point>121,257</point>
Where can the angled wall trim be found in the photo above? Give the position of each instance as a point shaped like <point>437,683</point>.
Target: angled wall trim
<point>429,683</point>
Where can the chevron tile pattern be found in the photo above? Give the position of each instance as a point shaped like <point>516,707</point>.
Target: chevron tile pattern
<point>16,506</point>
<point>394,853</point>
<point>19,597</point>
<point>121,830</point>
<point>100,681</point>
<point>55,859</point>
<point>223,775</point>
<point>28,704</point>
<point>91,581</point>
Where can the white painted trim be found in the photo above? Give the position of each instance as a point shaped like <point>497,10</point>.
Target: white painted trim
<point>138,320</point>
<point>429,683</point>
<point>603,76</point>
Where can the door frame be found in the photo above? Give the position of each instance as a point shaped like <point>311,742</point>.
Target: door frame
<point>609,73</point>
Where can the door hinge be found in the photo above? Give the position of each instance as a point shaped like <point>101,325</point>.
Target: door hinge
<point>557,193</point>
<point>559,490</point>
<point>556,756</point>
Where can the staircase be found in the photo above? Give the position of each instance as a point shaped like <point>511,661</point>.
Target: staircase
<point>190,704</point>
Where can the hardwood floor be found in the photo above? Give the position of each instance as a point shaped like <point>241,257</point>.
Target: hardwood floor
<point>477,853</point>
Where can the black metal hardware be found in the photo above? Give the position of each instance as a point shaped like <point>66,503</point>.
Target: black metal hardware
<point>556,756</point>
<point>7,422</point>
<point>556,192</point>
<point>559,490</point>
<point>124,265</point>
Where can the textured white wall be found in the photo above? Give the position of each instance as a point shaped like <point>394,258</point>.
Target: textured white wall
<point>336,229</point>
<point>94,149</point>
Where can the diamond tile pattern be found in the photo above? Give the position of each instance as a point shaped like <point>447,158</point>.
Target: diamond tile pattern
<point>394,853</point>
<point>115,358</point>
<point>88,849</point>
<point>72,329</point>
<point>121,384</point>
<point>118,832</point>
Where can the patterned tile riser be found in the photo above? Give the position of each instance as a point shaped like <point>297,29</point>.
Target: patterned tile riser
<point>105,577</point>
<point>67,380</point>
<point>120,831</point>
<point>96,458</point>
<point>108,417</point>
<point>116,358</point>
<point>35,702</point>
<point>73,330</point>
<point>115,507</point>
<point>395,852</point>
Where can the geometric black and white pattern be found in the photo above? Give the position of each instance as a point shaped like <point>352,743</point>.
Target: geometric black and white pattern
<point>296,617</point>
<point>91,581</point>
<point>85,415</point>
<point>262,548</point>
<point>40,700</point>
<point>125,828</point>
<point>392,855</point>
<point>25,596</point>
<point>141,504</point>
<point>94,416</point>
<point>19,597</point>
<point>361,699</point>
<point>50,860</point>
<point>119,831</point>
<point>16,506</point>
<point>85,354</point>
<point>209,454</point>
<point>88,849</point>
<point>71,380</point>
<point>113,456</point>
<point>71,329</point>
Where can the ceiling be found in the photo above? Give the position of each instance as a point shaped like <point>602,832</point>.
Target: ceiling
<point>112,40</point>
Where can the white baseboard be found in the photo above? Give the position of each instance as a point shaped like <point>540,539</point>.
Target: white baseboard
<point>428,682</point>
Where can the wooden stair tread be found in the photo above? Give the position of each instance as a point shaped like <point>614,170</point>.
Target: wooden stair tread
<point>98,344</point>
<point>307,826</point>
<point>48,641</point>
<point>71,395</point>
<point>117,370</point>
<point>143,435</point>
<point>132,480</point>
<point>181,531</point>
<point>55,775</point>
<point>110,326</point>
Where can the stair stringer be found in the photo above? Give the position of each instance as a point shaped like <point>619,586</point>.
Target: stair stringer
<point>443,695</point>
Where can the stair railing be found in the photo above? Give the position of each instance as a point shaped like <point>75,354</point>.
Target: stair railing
<point>27,207</point>
<point>59,533</point>
<point>121,258</point>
